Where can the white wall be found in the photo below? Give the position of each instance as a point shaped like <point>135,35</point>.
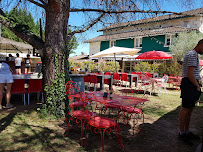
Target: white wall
<point>94,48</point>
<point>191,22</point>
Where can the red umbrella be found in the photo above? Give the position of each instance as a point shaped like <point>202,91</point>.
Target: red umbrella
<point>200,62</point>
<point>154,55</point>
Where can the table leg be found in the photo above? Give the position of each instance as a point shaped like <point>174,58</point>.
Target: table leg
<point>131,81</point>
<point>102,83</point>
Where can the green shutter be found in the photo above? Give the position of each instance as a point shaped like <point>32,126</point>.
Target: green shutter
<point>104,45</point>
<point>154,43</point>
<point>129,43</point>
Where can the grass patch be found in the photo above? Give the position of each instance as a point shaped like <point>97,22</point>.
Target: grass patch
<point>157,106</point>
<point>26,132</point>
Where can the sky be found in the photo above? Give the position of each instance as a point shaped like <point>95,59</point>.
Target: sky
<point>77,19</point>
<point>84,47</point>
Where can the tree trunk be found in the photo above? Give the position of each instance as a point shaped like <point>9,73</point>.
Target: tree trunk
<point>55,36</point>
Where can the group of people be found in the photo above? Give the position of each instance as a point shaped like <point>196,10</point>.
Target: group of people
<point>6,77</point>
<point>18,64</point>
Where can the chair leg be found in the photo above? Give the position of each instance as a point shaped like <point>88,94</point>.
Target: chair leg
<point>102,131</point>
<point>95,87</point>
<point>38,94</point>
<point>28,99</point>
<point>42,98</point>
<point>24,99</point>
<point>68,126</point>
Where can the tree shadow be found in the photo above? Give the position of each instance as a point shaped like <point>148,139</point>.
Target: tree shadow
<point>6,121</point>
<point>160,135</point>
<point>27,136</point>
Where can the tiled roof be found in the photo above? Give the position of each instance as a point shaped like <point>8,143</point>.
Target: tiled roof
<point>196,12</point>
<point>141,33</point>
<point>7,44</point>
<point>79,57</point>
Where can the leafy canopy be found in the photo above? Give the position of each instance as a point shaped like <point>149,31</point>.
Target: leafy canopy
<point>23,22</point>
<point>183,43</point>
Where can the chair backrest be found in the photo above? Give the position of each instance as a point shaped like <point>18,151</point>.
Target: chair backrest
<point>93,78</point>
<point>18,86</point>
<point>172,75</point>
<point>148,74</point>
<point>138,73</point>
<point>69,88</point>
<point>107,73</point>
<point>165,77</point>
<point>124,77</point>
<point>116,76</point>
<point>86,78</point>
<point>106,81</point>
<point>134,73</point>
<point>35,85</point>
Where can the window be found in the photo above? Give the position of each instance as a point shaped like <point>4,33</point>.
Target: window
<point>169,40</point>
<point>112,43</point>
<point>138,42</point>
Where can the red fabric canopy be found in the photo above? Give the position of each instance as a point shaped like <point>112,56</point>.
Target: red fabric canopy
<point>200,62</point>
<point>154,55</point>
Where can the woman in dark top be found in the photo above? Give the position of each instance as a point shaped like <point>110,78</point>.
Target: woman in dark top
<point>28,62</point>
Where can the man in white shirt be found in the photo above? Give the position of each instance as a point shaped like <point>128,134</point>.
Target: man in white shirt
<point>18,61</point>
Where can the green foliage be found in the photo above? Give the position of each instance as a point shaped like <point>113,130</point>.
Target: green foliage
<point>183,43</point>
<point>142,67</point>
<point>73,44</point>
<point>174,68</point>
<point>21,21</point>
<point>170,67</point>
<point>163,69</point>
<point>54,105</point>
<point>89,65</point>
<point>110,66</point>
<point>101,66</point>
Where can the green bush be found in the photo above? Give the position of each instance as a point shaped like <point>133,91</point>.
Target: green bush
<point>110,66</point>
<point>171,67</point>
<point>101,66</point>
<point>142,67</point>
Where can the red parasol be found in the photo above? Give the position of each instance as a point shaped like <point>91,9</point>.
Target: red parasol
<point>154,55</point>
<point>200,62</point>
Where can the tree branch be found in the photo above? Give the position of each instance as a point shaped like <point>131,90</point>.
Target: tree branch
<point>89,26</point>
<point>31,38</point>
<point>43,2</point>
<point>36,3</point>
<point>122,11</point>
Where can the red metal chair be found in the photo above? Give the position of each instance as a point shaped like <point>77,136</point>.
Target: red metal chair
<point>93,79</point>
<point>18,87</point>
<point>148,74</point>
<point>102,124</point>
<point>124,77</point>
<point>35,85</point>
<point>106,81</point>
<point>116,78</point>
<point>131,113</point>
<point>81,116</point>
<point>74,95</point>
<point>87,80</point>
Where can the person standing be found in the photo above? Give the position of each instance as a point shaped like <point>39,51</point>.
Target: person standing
<point>190,91</point>
<point>28,62</point>
<point>18,61</point>
<point>6,77</point>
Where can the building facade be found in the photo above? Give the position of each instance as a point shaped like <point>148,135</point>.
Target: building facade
<point>147,34</point>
